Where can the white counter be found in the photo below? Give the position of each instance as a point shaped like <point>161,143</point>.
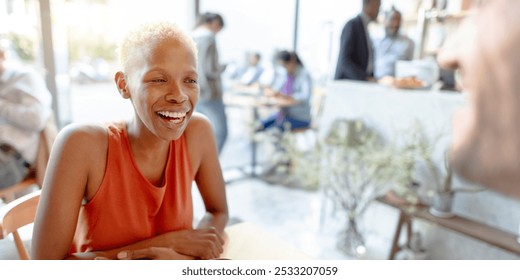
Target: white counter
<point>390,111</point>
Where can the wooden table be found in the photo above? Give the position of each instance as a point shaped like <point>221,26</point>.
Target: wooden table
<point>407,213</point>
<point>246,241</point>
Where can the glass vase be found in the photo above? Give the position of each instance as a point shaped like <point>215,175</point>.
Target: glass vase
<point>351,241</point>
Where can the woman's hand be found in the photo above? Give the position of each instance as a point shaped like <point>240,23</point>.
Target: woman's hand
<point>203,244</point>
<point>151,253</point>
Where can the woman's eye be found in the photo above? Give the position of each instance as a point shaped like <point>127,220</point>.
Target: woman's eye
<point>157,80</point>
<point>191,81</point>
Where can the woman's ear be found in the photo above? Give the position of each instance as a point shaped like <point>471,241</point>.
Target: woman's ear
<point>120,80</point>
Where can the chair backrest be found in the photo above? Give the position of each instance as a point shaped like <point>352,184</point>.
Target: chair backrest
<point>46,139</point>
<point>316,102</point>
<point>17,214</point>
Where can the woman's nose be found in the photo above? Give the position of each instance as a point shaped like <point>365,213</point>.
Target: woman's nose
<point>175,94</point>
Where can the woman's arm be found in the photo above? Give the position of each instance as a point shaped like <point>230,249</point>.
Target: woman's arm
<point>75,149</point>
<point>208,173</point>
<point>184,244</point>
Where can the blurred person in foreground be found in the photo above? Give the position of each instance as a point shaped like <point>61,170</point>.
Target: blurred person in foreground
<point>486,138</point>
<point>25,106</point>
<point>356,53</point>
<point>122,190</point>
<point>392,47</point>
<point>210,70</point>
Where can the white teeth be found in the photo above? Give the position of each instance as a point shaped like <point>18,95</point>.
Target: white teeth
<point>170,114</point>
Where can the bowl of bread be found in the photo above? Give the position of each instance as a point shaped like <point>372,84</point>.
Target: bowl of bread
<point>411,82</point>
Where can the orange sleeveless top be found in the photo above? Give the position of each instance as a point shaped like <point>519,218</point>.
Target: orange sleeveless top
<point>127,208</point>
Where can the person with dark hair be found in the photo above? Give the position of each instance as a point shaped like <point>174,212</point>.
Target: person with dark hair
<point>392,47</point>
<point>25,106</point>
<point>209,69</point>
<point>486,138</point>
<point>213,19</point>
<point>295,87</point>
<point>356,59</point>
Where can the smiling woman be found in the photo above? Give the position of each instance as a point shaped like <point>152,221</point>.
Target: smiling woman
<point>135,177</point>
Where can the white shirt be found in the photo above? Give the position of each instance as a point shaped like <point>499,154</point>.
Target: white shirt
<point>388,51</point>
<point>25,106</point>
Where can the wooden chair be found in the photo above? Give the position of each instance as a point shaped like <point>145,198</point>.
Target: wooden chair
<point>17,214</point>
<point>47,136</point>
<point>317,101</point>
<point>307,136</point>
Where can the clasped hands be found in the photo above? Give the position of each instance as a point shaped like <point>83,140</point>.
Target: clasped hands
<point>180,245</point>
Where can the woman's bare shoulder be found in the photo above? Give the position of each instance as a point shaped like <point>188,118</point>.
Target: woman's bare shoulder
<point>82,137</point>
<point>83,132</point>
<point>200,140</point>
<point>199,126</point>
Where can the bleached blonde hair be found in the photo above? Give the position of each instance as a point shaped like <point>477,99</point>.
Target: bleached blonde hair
<point>148,35</point>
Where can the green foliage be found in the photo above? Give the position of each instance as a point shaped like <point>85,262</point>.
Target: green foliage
<point>419,148</point>
<point>90,46</point>
<point>353,165</point>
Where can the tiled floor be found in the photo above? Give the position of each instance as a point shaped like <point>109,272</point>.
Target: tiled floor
<point>290,213</point>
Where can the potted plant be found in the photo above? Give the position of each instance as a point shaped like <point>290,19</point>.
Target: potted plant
<point>352,166</point>
<point>443,197</point>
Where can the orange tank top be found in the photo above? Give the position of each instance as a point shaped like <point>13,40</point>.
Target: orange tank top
<point>127,208</point>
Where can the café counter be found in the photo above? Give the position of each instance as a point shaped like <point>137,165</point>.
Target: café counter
<point>392,113</point>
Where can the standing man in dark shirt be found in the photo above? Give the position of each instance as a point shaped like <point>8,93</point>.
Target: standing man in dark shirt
<point>356,59</point>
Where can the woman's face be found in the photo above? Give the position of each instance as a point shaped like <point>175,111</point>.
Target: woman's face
<point>290,66</point>
<point>162,85</point>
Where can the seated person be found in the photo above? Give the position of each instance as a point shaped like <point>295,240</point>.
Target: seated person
<point>294,87</point>
<point>123,190</point>
<point>25,106</point>
<point>251,72</point>
<point>392,47</point>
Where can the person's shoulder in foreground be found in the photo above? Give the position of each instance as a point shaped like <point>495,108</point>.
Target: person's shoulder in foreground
<point>85,192</point>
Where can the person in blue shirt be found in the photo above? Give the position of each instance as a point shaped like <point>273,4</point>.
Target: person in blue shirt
<point>295,87</point>
<point>392,47</point>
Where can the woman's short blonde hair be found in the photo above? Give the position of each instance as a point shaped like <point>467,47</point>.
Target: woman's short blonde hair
<point>148,35</point>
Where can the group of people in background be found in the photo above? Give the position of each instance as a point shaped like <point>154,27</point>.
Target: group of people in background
<point>290,81</point>
<point>360,57</point>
